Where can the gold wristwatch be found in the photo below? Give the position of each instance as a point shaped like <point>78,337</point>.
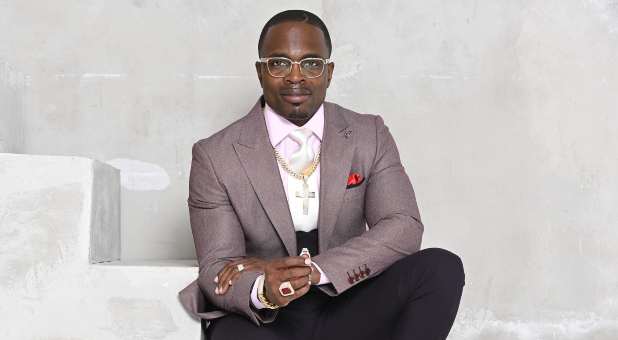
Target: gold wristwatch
<point>262,296</point>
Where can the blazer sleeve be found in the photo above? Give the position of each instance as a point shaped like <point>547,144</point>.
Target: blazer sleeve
<point>392,215</point>
<point>219,238</point>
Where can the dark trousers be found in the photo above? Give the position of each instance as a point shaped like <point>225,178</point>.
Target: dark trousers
<point>415,298</point>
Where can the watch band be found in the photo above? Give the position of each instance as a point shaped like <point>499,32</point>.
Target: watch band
<point>262,296</point>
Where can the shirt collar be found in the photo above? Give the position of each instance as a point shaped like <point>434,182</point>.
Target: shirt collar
<point>279,127</point>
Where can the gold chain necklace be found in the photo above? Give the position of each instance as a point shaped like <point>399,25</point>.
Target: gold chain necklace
<point>308,171</point>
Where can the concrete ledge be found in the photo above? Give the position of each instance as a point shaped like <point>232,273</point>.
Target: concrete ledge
<point>76,197</point>
<point>58,216</point>
<point>155,263</point>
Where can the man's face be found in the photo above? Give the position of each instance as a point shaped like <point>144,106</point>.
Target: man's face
<point>294,96</point>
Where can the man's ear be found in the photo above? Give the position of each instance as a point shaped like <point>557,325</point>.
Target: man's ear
<point>258,68</point>
<point>329,69</point>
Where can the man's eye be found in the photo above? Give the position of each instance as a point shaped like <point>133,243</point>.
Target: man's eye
<point>312,64</point>
<point>279,63</point>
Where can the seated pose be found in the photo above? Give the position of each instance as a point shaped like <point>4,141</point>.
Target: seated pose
<point>305,222</point>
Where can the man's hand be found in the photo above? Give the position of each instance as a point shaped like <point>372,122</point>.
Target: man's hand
<point>229,274</point>
<point>296,270</point>
<point>293,269</point>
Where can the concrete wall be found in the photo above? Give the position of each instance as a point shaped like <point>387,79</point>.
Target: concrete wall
<point>505,113</point>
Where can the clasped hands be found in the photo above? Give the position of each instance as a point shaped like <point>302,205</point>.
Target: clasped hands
<point>298,270</point>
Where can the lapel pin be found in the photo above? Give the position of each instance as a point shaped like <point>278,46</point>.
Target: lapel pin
<point>347,133</point>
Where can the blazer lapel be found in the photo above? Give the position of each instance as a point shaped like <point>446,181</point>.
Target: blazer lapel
<point>337,150</point>
<point>256,155</point>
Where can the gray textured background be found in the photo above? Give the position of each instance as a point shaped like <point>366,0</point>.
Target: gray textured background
<point>505,114</point>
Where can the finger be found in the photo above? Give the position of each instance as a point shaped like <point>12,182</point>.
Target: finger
<point>285,300</point>
<point>226,273</point>
<point>293,261</point>
<point>296,284</point>
<point>230,282</point>
<point>299,282</point>
<point>224,276</point>
<point>310,263</point>
<point>226,268</point>
<point>231,276</point>
<point>300,291</point>
<point>294,273</point>
<point>234,275</point>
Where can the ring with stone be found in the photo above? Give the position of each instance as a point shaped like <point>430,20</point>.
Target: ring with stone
<point>286,289</point>
<point>240,267</point>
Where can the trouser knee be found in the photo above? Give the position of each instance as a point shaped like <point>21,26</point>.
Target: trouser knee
<point>443,264</point>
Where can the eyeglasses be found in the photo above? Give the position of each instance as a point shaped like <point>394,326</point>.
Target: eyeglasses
<point>280,67</point>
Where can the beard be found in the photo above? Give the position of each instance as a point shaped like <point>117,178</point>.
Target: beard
<point>298,113</point>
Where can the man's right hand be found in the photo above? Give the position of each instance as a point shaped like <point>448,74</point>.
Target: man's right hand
<point>293,269</point>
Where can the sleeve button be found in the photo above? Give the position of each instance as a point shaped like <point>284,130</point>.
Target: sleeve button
<point>350,278</point>
<point>356,275</point>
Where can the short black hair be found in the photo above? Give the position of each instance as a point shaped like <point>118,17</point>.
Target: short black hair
<point>295,15</point>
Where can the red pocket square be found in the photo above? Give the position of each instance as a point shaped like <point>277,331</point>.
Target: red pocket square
<point>355,179</point>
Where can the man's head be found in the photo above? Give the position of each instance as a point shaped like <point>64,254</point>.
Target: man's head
<point>296,35</point>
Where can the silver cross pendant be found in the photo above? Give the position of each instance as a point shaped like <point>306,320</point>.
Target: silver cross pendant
<point>305,195</point>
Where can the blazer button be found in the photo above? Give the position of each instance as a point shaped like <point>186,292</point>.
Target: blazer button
<point>362,273</point>
<point>367,270</point>
<point>356,275</point>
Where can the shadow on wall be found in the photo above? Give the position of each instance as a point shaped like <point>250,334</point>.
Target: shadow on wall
<point>13,85</point>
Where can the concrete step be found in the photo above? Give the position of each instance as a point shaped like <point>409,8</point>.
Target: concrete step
<point>61,273</point>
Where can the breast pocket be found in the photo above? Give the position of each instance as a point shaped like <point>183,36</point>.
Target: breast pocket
<point>354,193</point>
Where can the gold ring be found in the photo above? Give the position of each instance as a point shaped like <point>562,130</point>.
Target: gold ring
<point>286,289</point>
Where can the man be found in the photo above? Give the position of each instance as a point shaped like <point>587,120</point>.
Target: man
<point>298,172</point>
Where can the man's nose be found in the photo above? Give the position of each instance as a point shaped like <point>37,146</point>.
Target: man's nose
<point>295,76</point>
